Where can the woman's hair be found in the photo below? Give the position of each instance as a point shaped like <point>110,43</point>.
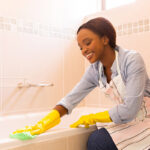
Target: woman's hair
<point>102,27</point>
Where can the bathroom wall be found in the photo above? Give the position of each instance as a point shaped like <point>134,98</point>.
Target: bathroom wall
<point>38,46</point>
<point>132,23</point>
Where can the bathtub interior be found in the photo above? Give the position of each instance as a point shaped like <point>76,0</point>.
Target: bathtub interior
<point>8,124</point>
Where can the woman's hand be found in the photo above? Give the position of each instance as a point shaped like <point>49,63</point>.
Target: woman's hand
<point>91,119</point>
<point>49,121</point>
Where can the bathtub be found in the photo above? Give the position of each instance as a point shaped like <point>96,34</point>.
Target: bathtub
<point>61,137</point>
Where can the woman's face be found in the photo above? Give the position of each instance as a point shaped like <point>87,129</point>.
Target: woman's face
<point>91,45</point>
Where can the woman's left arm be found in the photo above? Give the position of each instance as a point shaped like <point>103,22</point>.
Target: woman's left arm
<point>134,87</point>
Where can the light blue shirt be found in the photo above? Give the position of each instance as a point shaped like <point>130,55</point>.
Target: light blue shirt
<point>135,78</point>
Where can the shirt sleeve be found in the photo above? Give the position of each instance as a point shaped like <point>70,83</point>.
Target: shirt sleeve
<point>84,87</point>
<point>134,86</point>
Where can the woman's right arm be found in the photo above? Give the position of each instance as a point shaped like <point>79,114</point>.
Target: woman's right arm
<point>61,109</point>
<point>73,98</point>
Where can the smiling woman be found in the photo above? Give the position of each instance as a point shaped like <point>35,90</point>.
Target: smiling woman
<point>97,31</point>
<point>122,76</point>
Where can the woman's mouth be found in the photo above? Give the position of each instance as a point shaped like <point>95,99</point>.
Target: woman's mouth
<point>90,55</point>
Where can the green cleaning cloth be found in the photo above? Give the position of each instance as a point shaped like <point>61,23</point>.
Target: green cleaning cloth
<point>22,136</point>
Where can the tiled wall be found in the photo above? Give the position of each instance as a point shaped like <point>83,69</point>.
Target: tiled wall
<point>37,45</point>
<point>35,28</point>
<point>48,30</point>
<point>132,24</point>
<point>136,27</point>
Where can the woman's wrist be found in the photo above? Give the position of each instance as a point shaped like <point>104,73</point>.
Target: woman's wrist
<point>61,109</point>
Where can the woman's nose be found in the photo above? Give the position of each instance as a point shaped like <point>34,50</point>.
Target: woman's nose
<point>84,51</point>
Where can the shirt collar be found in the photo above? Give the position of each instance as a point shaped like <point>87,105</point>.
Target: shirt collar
<point>98,65</point>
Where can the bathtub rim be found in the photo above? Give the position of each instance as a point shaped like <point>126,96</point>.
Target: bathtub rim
<point>50,135</point>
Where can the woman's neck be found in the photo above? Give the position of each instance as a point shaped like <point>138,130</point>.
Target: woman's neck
<point>108,57</point>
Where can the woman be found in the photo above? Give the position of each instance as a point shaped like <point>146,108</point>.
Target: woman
<point>120,74</point>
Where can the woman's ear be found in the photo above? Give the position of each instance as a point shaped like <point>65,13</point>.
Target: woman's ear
<point>105,40</point>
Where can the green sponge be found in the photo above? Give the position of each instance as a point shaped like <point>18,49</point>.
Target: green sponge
<point>22,136</point>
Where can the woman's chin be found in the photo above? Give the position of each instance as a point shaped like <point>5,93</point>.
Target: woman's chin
<point>92,61</point>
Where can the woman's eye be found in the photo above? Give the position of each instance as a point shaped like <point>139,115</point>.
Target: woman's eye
<point>88,43</point>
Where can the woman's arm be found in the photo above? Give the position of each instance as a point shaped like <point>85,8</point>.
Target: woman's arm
<point>61,109</point>
<point>85,86</point>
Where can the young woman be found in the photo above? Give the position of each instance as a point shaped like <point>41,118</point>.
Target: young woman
<point>121,75</point>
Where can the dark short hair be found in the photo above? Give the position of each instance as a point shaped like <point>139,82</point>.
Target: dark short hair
<point>102,27</point>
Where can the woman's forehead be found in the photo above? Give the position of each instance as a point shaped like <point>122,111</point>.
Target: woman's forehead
<point>85,33</point>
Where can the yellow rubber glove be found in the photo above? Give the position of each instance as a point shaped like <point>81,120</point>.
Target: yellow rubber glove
<point>91,119</point>
<point>49,121</point>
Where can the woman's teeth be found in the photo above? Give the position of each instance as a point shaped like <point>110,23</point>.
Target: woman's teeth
<point>89,55</point>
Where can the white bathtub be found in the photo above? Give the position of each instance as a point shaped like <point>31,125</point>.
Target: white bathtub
<point>60,137</point>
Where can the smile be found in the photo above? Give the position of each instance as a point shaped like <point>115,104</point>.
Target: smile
<point>89,56</point>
